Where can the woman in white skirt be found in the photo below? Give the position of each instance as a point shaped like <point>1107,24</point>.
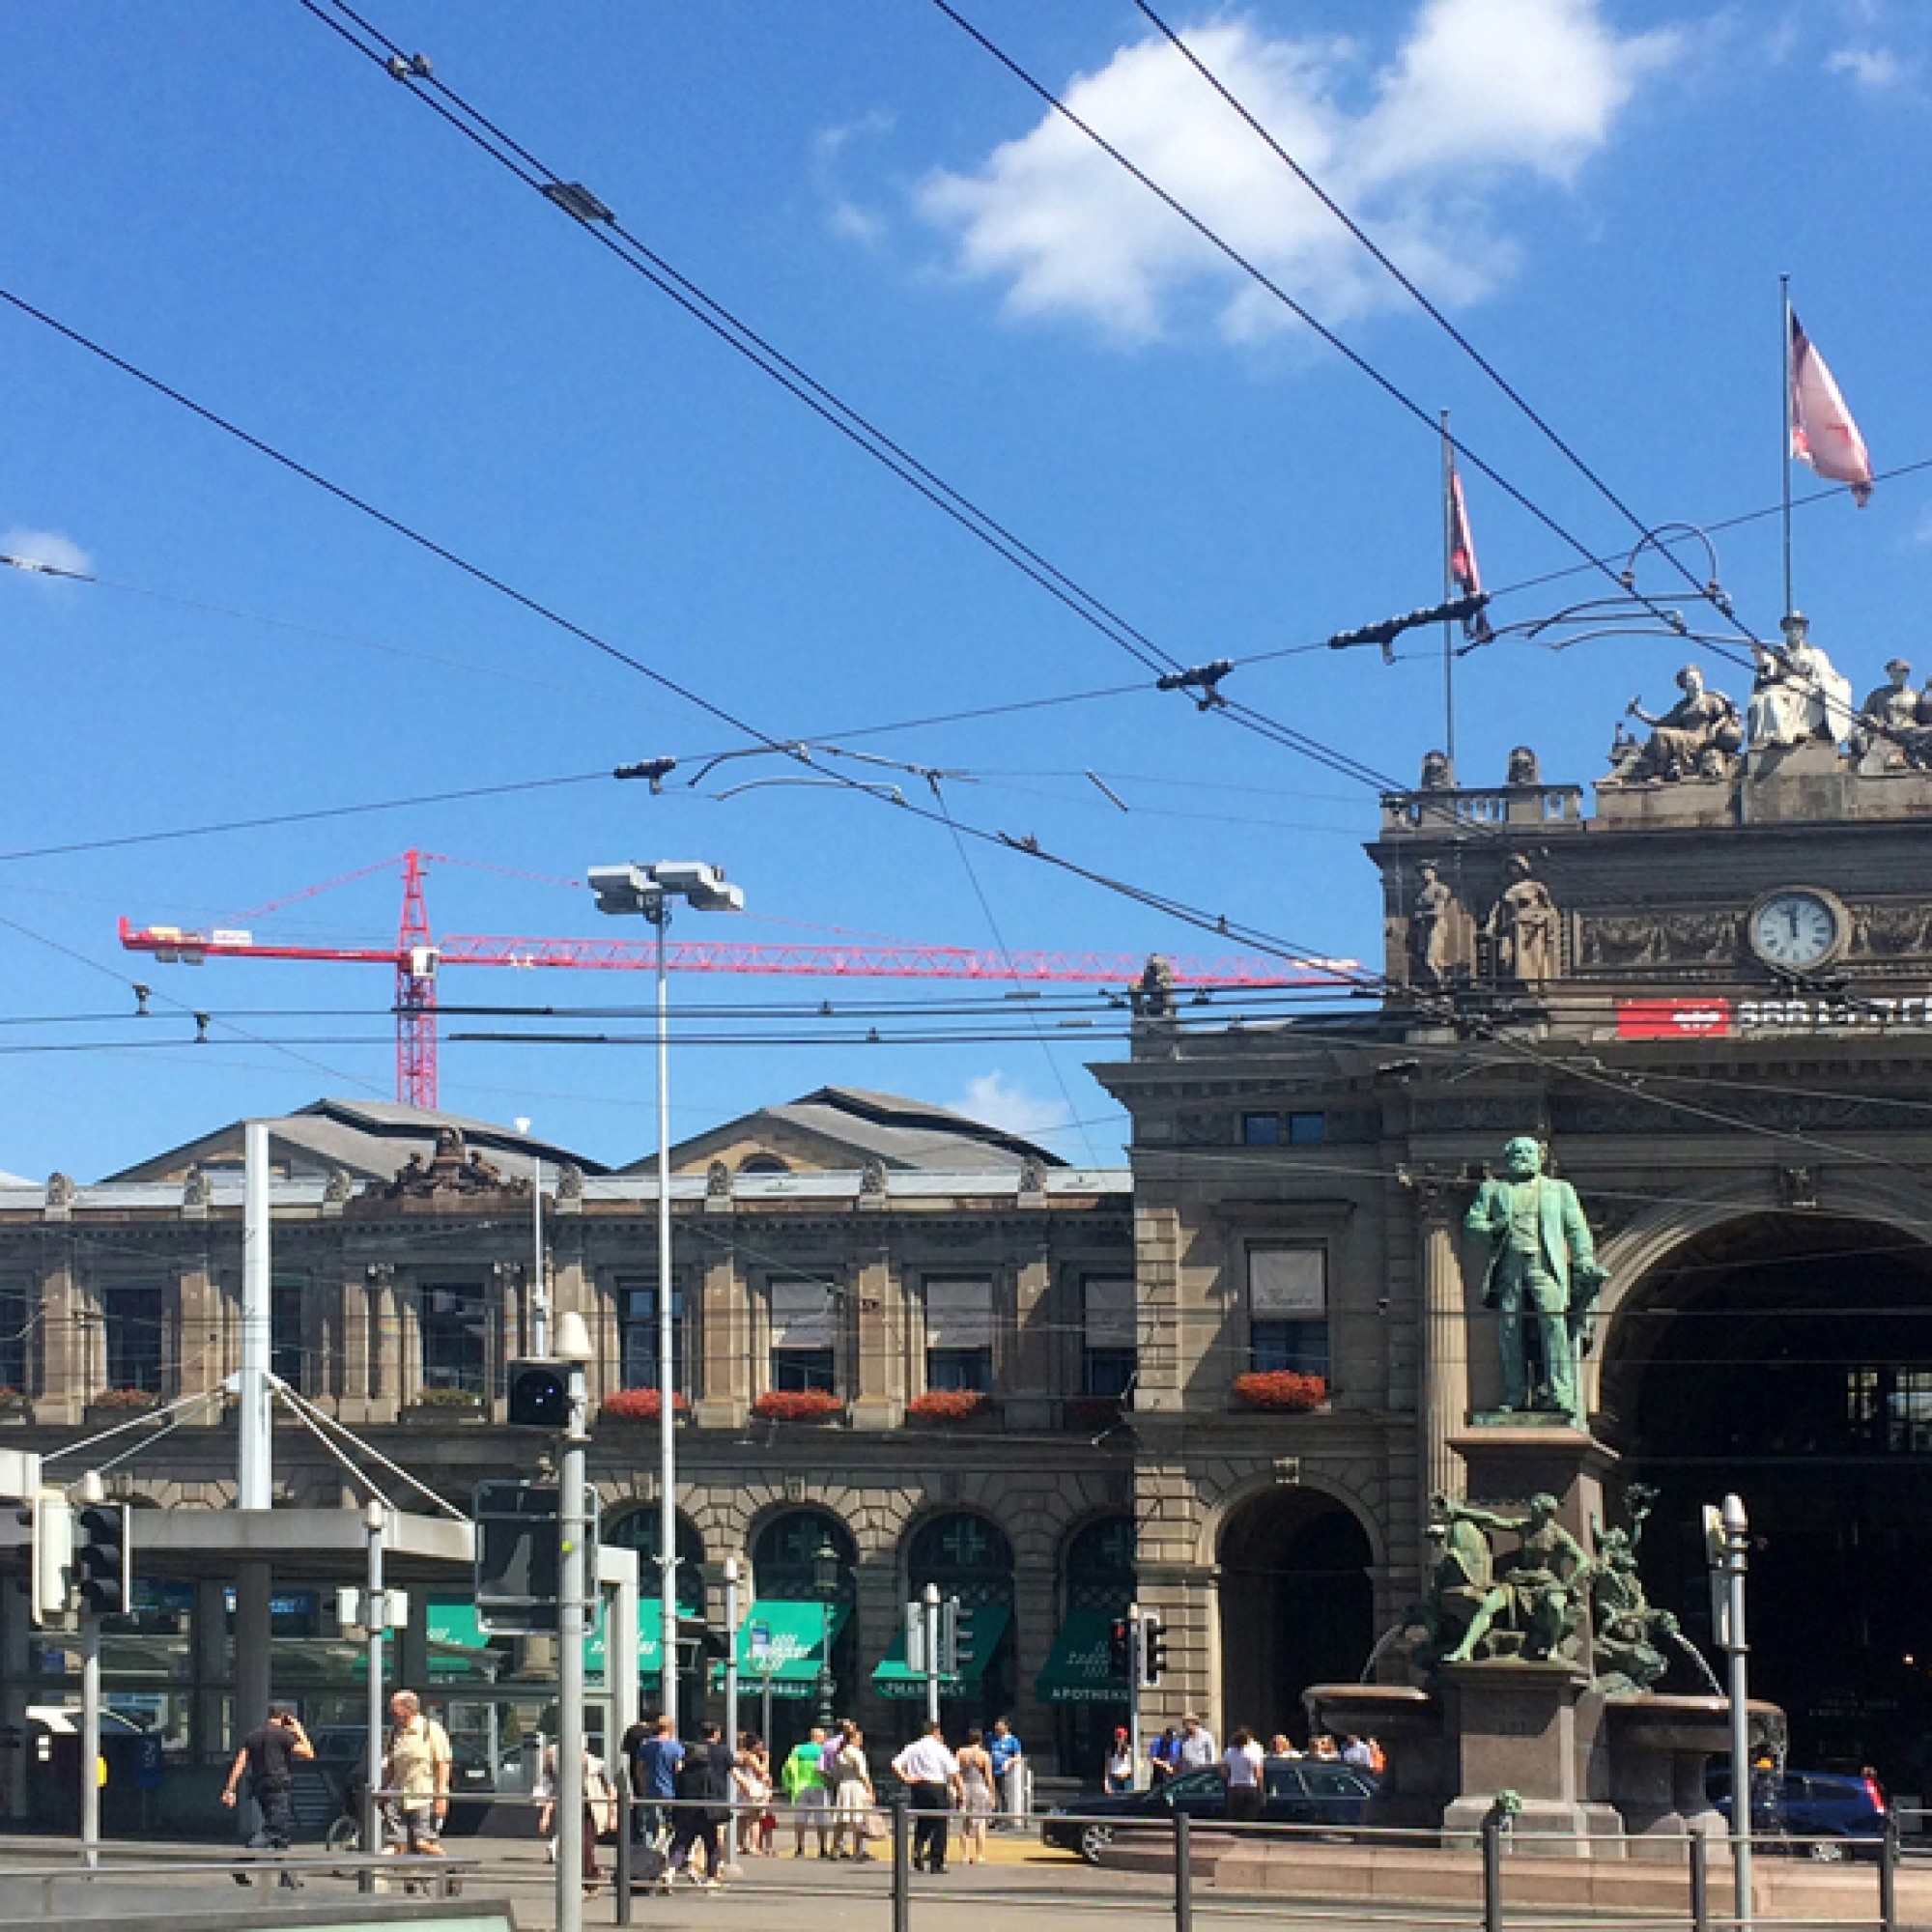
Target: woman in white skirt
<point>977,1802</point>
<point>853,1797</point>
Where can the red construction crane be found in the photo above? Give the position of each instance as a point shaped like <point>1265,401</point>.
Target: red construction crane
<point>416,960</point>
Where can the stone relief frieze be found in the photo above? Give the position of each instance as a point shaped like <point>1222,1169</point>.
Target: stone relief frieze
<point>1659,938</point>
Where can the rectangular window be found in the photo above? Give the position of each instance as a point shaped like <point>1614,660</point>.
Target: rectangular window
<point>455,1323</point>
<point>1307,1130</point>
<point>959,1334</point>
<point>130,1322</point>
<point>288,1352</point>
<point>1261,1129</point>
<point>13,1322</point>
<point>637,1335</point>
<point>1110,1354</point>
<point>1287,1309</point>
<point>805,1336</point>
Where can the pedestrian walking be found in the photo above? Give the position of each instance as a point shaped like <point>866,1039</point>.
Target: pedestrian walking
<point>1164,1758</point>
<point>599,1813</point>
<point>930,1773</point>
<point>1119,1768</point>
<point>1198,1749</point>
<point>705,1803</point>
<point>751,1798</point>
<point>415,1770</point>
<point>804,1780</point>
<point>976,1802</point>
<point>654,1777</point>
<point>267,1758</point>
<point>1242,1773</point>
<point>853,1798</point>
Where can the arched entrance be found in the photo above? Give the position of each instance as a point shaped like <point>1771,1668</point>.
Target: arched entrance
<point>1297,1606</point>
<point>969,1556</point>
<point>788,1566</point>
<point>1788,1356</point>
<point>638,1529</point>
<point>1097,1577</point>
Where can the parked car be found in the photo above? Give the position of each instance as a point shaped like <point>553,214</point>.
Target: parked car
<point>1828,1814</point>
<point>1295,1791</point>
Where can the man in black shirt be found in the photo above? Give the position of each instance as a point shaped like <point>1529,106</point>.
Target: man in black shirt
<point>704,1785</point>
<point>268,1756</point>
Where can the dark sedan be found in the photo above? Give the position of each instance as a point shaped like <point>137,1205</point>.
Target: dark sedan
<point>1295,1791</point>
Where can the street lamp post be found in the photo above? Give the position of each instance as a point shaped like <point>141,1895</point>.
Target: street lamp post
<point>731,1653</point>
<point>646,892</point>
<point>825,1579</point>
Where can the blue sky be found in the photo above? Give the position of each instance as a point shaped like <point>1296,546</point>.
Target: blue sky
<point>1601,193</point>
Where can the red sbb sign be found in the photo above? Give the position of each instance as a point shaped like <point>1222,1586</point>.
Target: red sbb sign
<point>1673,1019</point>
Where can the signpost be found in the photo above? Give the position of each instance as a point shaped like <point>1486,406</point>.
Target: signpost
<point>759,1641</point>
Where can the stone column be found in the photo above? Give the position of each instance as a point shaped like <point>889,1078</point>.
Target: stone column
<point>724,1329</point>
<point>1027,1380</point>
<point>254,1584</point>
<point>878,1331</point>
<point>63,1384</point>
<point>1444,1409</point>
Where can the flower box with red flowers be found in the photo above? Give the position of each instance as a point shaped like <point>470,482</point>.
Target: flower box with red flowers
<point>797,1405</point>
<point>1283,1391</point>
<point>640,1406</point>
<point>123,1401</point>
<point>949,1405</point>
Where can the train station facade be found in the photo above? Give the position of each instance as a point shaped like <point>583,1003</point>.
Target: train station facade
<point>1223,1380</point>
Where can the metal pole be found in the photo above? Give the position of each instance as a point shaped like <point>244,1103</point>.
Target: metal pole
<point>929,1612</point>
<point>254,1473</point>
<point>766,1716</point>
<point>620,1782</point>
<point>374,1519</point>
<point>1184,1872</point>
<point>1736,1544</point>
<point>569,1779</point>
<point>1888,1874</point>
<point>1492,1870</point>
<point>90,1740</point>
<point>731,1653</point>
<point>658,914</point>
<point>1700,1883</point>
<point>1784,467</point>
<point>1135,1654</point>
<point>540,1278</point>
<point>901,1866</point>
<point>1448,591</point>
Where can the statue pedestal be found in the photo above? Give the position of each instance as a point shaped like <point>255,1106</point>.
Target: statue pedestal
<point>1511,1457</point>
<point>1527,1728</point>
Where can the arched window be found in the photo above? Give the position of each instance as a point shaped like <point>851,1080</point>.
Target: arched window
<point>638,1529</point>
<point>1097,1571</point>
<point>786,1556</point>
<point>967,1555</point>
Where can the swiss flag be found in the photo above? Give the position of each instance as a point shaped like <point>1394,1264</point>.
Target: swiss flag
<point>1823,433</point>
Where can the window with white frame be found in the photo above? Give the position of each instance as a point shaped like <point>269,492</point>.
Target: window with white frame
<point>1109,1356</point>
<point>1288,1308</point>
<point>959,1332</point>
<point>803,1335</point>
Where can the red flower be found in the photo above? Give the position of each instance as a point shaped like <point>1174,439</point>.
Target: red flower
<point>949,1404</point>
<point>797,1405</point>
<point>640,1406</point>
<point>1283,1390</point>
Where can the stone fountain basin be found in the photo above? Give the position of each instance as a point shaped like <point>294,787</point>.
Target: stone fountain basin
<point>1381,1711</point>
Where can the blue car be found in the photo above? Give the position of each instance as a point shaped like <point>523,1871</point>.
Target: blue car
<point>1829,1815</point>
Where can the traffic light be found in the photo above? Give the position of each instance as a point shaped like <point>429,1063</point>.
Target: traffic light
<point>103,1559</point>
<point>1154,1650</point>
<point>956,1638</point>
<point>540,1394</point>
<point>1121,1649</point>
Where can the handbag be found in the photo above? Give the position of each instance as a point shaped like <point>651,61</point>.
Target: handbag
<point>875,1825</point>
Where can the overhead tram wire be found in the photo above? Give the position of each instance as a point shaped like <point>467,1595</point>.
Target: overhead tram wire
<point>603,227</point>
<point>1182,911</point>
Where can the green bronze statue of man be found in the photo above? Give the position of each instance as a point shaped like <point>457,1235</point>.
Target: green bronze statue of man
<point>1542,1280</point>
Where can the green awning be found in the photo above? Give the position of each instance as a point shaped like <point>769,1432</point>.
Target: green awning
<point>1079,1671</point>
<point>787,1642</point>
<point>893,1677</point>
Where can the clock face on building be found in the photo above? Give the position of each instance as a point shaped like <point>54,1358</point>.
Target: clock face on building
<point>1796,929</point>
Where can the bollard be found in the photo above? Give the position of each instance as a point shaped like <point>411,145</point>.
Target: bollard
<point>620,1877</point>
<point>1700,1883</point>
<point>372,1837</point>
<point>1492,1870</point>
<point>1888,1874</point>
<point>1184,1872</point>
<point>902,1866</point>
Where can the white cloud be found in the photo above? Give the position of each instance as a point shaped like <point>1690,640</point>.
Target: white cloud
<point>1481,91</point>
<point>1002,1104</point>
<point>845,214</point>
<point>1873,68</point>
<point>46,547</point>
<point>1920,536</point>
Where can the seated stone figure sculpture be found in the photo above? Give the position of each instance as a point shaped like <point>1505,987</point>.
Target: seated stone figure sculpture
<point>1472,1615</point>
<point>1697,737</point>
<point>1628,1632</point>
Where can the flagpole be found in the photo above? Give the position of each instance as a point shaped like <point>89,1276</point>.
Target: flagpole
<point>1784,468</point>
<point>1448,592</point>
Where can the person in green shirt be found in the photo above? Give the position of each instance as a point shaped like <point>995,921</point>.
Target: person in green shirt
<point>804,1782</point>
